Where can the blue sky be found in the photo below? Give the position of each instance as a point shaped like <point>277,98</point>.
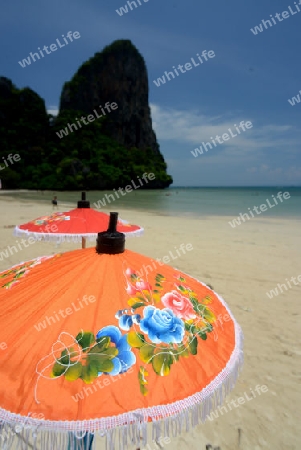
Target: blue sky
<point>250,78</point>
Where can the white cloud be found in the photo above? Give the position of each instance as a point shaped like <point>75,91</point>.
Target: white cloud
<point>53,110</point>
<point>262,155</point>
<point>192,127</point>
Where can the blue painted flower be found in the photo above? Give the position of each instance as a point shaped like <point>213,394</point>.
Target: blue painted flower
<point>162,325</point>
<point>125,358</point>
<point>125,322</point>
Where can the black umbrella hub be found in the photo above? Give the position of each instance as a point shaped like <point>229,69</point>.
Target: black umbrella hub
<point>111,242</point>
<point>83,203</point>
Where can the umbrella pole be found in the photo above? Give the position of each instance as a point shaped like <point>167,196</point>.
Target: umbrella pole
<point>84,443</point>
<point>83,242</point>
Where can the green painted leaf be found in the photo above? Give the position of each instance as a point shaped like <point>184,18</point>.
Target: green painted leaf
<point>73,353</point>
<point>137,305</point>
<point>105,366</point>
<point>20,274</point>
<point>161,363</point>
<point>206,313</point>
<point>134,277</point>
<point>58,370</point>
<point>94,361</point>
<point>74,372</point>
<point>111,352</point>
<point>206,299</point>
<point>142,374</point>
<point>85,339</point>
<point>143,390</point>
<point>135,339</point>
<point>89,373</point>
<point>195,303</point>
<point>188,326</point>
<point>181,288</point>
<point>146,353</point>
<point>65,358</point>
<point>103,342</point>
<point>183,351</point>
<point>108,353</point>
<point>175,354</point>
<point>193,345</point>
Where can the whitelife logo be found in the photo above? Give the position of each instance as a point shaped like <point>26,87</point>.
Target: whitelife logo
<point>166,260</point>
<point>7,432</point>
<point>284,14</point>
<point>11,158</point>
<point>90,117</point>
<point>263,208</point>
<point>187,66</point>
<point>225,137</point>
<point>274,292</point>
<point>101,383</point>
<point>240,401</point>
<point>68,311</point>
<point>9,249</point>
<point>53,48</point>
<point>128,188</point>
<point>124,9</point>
<point>292,101</point>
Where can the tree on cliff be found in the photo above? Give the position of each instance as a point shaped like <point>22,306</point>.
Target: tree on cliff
<point>105,154</point>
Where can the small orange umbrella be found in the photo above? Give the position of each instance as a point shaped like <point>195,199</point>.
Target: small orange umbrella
<point>75,225</point>
<point>94,345</point>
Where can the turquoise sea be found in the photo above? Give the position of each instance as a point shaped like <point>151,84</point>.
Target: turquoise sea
<point>183,201</point>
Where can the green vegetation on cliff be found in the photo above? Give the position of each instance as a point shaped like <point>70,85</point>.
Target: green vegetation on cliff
<point>85,159</point>
<point>105,154</point>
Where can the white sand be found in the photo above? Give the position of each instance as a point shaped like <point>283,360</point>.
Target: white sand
<point>241,264</point>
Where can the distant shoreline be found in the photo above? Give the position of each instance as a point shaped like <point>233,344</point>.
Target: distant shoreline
<point>197,203</point>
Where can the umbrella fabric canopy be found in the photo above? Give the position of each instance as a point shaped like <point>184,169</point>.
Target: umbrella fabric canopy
<point>93,344</point>
<point>75,225</point>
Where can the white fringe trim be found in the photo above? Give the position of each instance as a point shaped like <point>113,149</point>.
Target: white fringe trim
<point>58,238</point>
<point>130,428</point>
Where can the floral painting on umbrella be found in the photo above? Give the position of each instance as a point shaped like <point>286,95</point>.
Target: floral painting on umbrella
<point>10,277</point>
<point>55,217</point>
<point>161,327</point>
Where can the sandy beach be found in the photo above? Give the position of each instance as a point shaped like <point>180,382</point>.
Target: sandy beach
<point>242,264</point>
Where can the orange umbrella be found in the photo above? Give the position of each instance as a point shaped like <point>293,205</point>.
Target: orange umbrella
<point>94,345</point>
<point>75,225</point>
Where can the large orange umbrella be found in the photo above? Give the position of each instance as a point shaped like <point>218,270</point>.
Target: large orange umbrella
<point>92,344</point>
<point>75,225</point>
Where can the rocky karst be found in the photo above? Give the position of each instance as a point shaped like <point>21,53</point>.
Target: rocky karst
<point>117,74</point>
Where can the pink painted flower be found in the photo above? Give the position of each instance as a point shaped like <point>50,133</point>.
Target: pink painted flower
<point>129,272</point>
<point>179,305</point>
<point>143,286</point>
<point>131,290</point>
<point>138,286</point>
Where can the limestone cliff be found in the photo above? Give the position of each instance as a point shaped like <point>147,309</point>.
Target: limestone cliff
<point>105,154</point>
<point>117,74</point>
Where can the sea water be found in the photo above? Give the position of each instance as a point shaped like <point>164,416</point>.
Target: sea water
<point>175,201</point>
